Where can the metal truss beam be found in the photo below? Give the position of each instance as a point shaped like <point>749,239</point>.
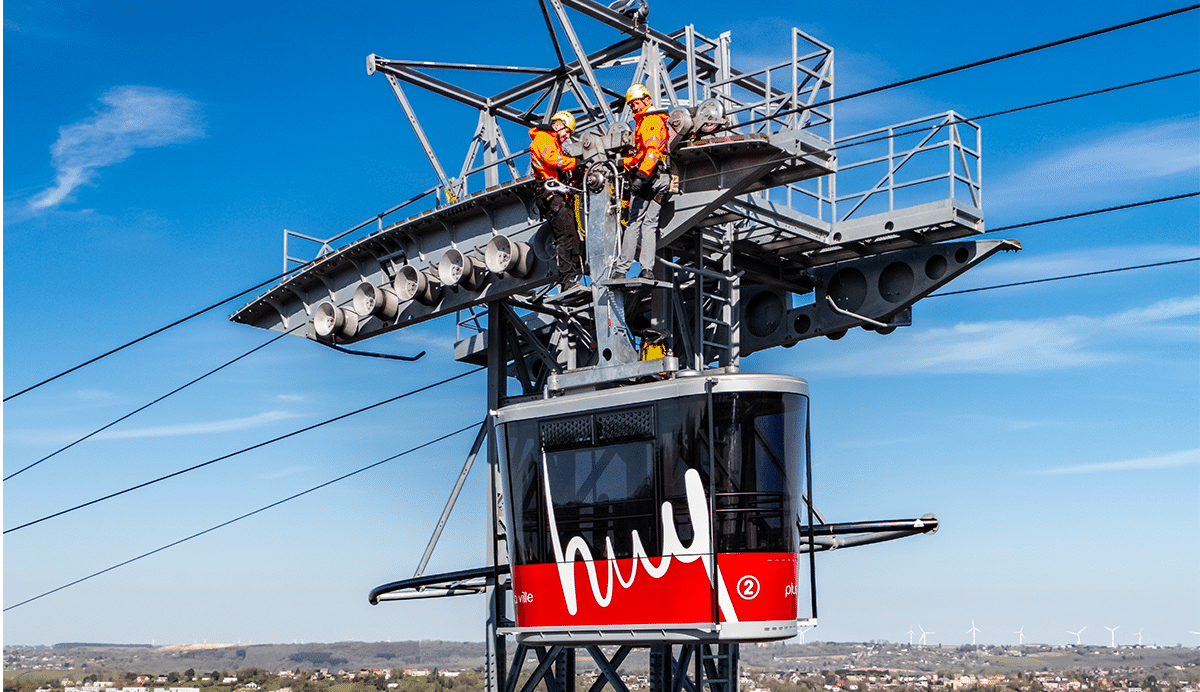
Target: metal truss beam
<point>447,90</point>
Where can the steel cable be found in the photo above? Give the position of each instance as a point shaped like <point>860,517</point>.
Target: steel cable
<point>146,406</point>
<point>244,516</point>
<point>977,63</point>
<point>147,336</point>
<point>858,94</point>
<point>1061,278</point>
<point>848,142</point>
<point>242,451</point>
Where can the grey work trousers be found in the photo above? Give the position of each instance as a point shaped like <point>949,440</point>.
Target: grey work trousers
<point>642,231</point>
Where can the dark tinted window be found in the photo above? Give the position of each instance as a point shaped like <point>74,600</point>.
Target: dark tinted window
<point>611,470</point>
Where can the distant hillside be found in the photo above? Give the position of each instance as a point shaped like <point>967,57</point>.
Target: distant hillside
<point>979,660</point>
<point>349,656</point>
<point>811,657</point>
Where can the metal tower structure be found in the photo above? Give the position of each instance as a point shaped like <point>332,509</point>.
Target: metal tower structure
<point>779,232</point>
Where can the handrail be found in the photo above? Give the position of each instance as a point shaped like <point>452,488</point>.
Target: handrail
<point>962,167</point>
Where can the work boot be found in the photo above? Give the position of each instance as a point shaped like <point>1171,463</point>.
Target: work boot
<point>647,274</point>
<point>617,276</point>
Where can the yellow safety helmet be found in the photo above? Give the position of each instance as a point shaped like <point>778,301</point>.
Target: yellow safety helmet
<point>566,119</point>
<point>637,91</point>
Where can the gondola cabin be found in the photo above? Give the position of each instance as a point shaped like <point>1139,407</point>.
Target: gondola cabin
<point>667,511</point>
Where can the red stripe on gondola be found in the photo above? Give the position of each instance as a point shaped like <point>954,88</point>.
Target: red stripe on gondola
<point>761,587</point>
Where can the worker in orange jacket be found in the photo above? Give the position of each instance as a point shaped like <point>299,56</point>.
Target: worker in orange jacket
<point>550,163</point>
<point>648,183</point>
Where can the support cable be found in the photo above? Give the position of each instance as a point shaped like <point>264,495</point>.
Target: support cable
<point>154,333</point>
<point>850,144</point>
<point>244,516</point>
<point>847,143</point>
<point>1094,211</point>
<point>146,406</point>
<point>1018,109</point>
<point>242,451</point>
<point>977,63</point>
<point>836,146</point>
<point>1060,278</point>
<point>289,272</point>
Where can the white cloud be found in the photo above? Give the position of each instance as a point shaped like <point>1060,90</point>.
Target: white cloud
<point>219,426</point>
<point>275,475</point>
<point>1025,266</point>
<point>1145,151</point>
<point>1188,457</point>
<point>94,395</point>
<point>1010,346</point>
<point>128,118</point>
<point>425,340</point>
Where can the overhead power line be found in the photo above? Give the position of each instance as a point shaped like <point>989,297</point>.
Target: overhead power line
<point>243,451</point>
<point>244,516</point>
<point>1069,276</point>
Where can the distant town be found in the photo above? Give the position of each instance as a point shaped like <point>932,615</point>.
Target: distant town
<point>457,667</point>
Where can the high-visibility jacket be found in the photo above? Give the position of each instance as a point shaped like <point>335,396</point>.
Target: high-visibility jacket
<point>547,155</point>
<point>650,139</point>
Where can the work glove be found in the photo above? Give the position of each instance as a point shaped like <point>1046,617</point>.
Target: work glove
<point>642,184</point>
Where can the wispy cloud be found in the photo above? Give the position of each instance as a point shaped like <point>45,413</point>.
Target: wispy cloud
<point>1188,457</point>
<point>1014,346</point>
<point>1141,152</point>
<point>290,398</point>
<point>204,428</point>
<point>127,118</point>
<point>424,340</point>
<point>281,473</point>
<point>94,395</point>
<point>1023,266</point>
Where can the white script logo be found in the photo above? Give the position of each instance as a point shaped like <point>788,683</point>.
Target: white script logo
<point>672,547</point>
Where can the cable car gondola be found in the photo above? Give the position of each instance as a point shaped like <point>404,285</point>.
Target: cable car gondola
<point>666,511</point>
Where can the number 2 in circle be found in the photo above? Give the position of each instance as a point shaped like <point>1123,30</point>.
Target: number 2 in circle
<point>748,587</point>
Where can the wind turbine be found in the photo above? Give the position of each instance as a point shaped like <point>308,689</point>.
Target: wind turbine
<point>1021,635</point>
<point>973,632</point>
<point>1113,632</point>
<point>923,633</point>
<point>1139,636</point>
<point>910,635</point>
<point>802,629</point>
<point>1077,641</point>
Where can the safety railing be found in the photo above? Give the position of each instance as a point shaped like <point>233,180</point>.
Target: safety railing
<point>325,246</point>
<point>469,323</point>
<point>792,94</point>
<point>904,165</point>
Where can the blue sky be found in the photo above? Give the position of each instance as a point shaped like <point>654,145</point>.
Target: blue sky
<point>155,152</point>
